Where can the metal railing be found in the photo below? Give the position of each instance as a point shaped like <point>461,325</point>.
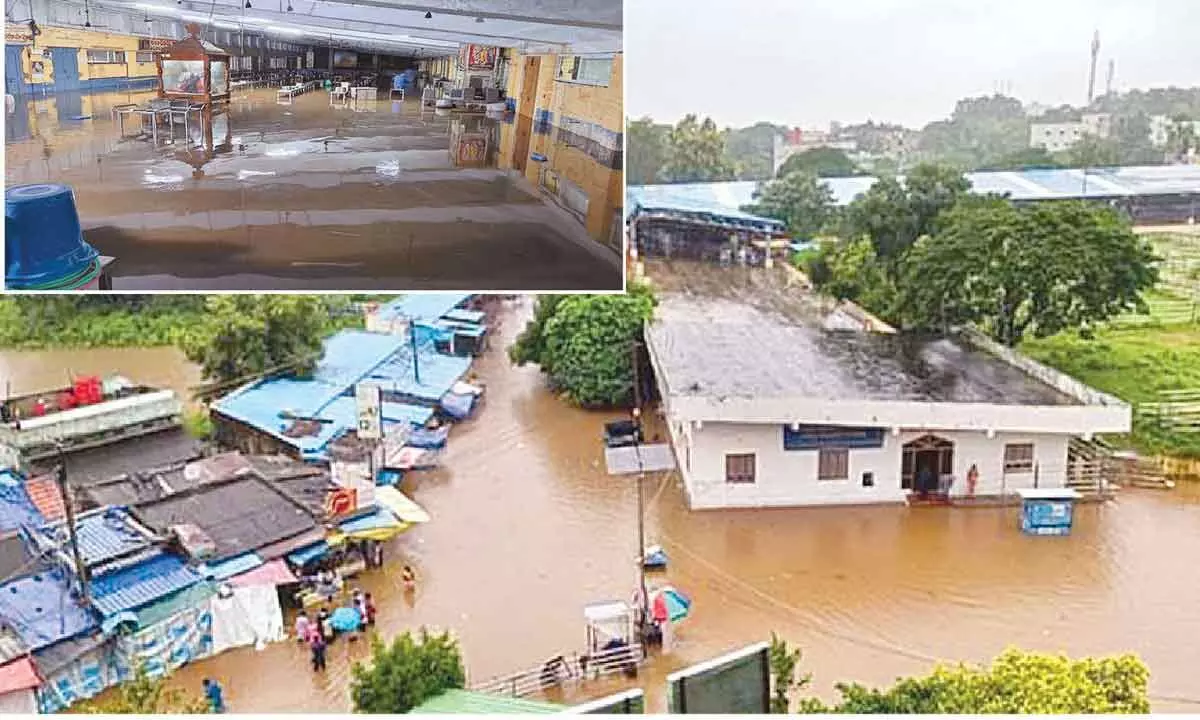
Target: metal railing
<point>565,670</point>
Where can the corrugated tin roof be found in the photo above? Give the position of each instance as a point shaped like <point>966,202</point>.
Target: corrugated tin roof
<point>141,584</point>
<point>465,702</point>
<point>275,572</point>
<point>104,534</point>
<point>19,674</point>
<point>725,199</point>
<point>11,645</point>
<point>42,609</point>
<point>422,306</point>
<point>235,565</point>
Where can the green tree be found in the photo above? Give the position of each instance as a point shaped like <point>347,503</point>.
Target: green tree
<point>1016,683</point>
<point>850,270</point>
<point>647,149</point>
<point>145,695</point>
<point>407,673</point>
<point>893,215</point>
<point>1024,159</point>
<point>784,661</point>
<point>821,162</point>
<point>1181,136</point>
<point>1093,151</point>
<point>801,200</point>
<point>585,345</point>
<point>1034,270</point>
<point>530,345</point>
<point>751,150</point>
<point>697,153</point>
<point>242,336</point>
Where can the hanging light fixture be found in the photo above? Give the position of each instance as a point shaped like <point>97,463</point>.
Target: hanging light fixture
<point>87,14</point>
<point>289,8</point>
<point>428,15</point>
<point>247,4</point>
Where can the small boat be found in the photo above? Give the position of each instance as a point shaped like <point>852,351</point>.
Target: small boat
<point>655,558</point>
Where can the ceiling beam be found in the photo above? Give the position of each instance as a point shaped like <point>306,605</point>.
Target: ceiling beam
<point>487,15</point>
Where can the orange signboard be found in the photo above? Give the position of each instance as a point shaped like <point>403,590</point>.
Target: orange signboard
<point>341,501</point>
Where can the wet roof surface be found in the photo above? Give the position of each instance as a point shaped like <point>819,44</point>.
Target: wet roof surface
<point>717,354</point>
<point>41,609</point>
<point>160,449</point>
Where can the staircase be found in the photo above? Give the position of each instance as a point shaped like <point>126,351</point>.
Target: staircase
<point>1090,468</point>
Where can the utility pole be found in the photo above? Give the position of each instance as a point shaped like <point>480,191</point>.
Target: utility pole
<point>69,508</point>
<point>641,492</point>
<point>412,341</point>
<point>1092,73</point>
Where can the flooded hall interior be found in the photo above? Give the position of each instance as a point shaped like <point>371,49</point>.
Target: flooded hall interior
<point>344,144</point>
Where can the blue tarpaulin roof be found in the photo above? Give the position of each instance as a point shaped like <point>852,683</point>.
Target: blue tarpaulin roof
<point>725,199</point>
<point>103,534</point>
<point>380,518</point>
<point>308,553</point>
<point>438,373</point>
<point>235,565</point>
<point>138,585</point>
<point>422,306</point>
<point>16,509</point>
<point>42,611</point>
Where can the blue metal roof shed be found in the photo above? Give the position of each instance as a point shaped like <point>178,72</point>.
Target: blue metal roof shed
<point>138,585</point>
<point>422,307</point>
<point>104,534</point>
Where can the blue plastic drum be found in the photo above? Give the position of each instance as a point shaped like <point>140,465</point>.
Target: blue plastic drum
<point>44,247</point>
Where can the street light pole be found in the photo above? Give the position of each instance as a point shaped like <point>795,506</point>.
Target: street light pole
<point>641,493</point>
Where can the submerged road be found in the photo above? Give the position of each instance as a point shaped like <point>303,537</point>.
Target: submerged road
<point>527,529</point>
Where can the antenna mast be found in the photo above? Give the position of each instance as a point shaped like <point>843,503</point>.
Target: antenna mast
<point>1092,73</point>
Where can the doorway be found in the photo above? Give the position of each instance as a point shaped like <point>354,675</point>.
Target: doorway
<point>14,80</point>
<point>66,68</point>
<point>525,108</point>
<point>926,461</point>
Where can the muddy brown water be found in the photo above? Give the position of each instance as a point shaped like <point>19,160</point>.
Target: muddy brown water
<point>527,529</point>
<point>305,196</point>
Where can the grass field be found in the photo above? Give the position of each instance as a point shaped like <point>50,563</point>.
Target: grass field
<point>1135,364</point>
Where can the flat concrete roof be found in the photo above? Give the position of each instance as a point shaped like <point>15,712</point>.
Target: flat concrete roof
<point>712,353</point>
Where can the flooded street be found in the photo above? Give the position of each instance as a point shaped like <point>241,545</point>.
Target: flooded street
<point>389,195</point>
<point>527,529</point>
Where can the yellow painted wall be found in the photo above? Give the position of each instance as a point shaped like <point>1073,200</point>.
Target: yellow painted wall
<point>86,40</point>
<point>594,104</point>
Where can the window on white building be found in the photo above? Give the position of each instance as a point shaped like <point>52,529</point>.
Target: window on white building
<point>740,468</point>
<point>1018,458</point>
<point>833,464</point>
<point>586,70</point>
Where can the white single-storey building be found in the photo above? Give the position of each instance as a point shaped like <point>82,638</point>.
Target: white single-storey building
<point>765,412</point>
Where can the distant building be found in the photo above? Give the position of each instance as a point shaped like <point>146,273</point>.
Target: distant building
<point>1160,129</point>
<point>1060,136</point>
<point>797,141</point>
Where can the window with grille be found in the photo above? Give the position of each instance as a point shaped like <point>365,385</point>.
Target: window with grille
<point>586,70</point>
<point>833,464</point>
<point>739,468</point>
<point>1018,458</point>
<point>106,57</point>
<point>146,57</point>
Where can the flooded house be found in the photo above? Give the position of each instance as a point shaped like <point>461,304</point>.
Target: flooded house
<point>767,412</point>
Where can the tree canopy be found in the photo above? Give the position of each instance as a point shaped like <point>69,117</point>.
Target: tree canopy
<point>799,199</point>
<point>241,336</point>
<point>584,344</point>
<point>1016,683</point>
<point>652,142</point>
<point>1025,270</point>
<point>821,162</point>
<point>697,152</point>
<point>145,695</point>
<point>406,673</point>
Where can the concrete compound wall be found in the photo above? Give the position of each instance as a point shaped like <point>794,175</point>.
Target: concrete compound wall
<point>91,76</point>
<point>789,477</point>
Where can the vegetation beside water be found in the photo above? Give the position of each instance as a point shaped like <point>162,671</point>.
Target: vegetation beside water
<point>1135,364</point>
<point>91,321</point>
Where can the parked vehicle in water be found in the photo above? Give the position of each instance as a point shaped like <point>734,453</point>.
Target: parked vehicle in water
<point>622,433</point>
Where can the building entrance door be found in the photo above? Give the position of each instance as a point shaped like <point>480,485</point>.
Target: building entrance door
<point>927,462</point>
<point>525,108</point>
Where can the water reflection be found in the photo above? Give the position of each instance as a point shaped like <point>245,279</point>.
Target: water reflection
<point>306,196</point>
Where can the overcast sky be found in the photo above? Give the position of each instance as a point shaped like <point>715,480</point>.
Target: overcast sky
<point>808,62</point>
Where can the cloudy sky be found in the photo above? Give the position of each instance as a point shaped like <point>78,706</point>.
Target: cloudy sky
<point>809,62</point>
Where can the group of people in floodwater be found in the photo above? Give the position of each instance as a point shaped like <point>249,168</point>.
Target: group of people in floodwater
<point>319,631</point>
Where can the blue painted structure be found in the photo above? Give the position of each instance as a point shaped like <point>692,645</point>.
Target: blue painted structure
<point>422,307</point>
<point>1047,511</point>
<point>66,68</point>
<point>14,80</point>
<point>104,535</point>
<point>815,437</point>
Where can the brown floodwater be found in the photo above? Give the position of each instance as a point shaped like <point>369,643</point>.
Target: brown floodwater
<point>305,195</point>
<point>527,529</point>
